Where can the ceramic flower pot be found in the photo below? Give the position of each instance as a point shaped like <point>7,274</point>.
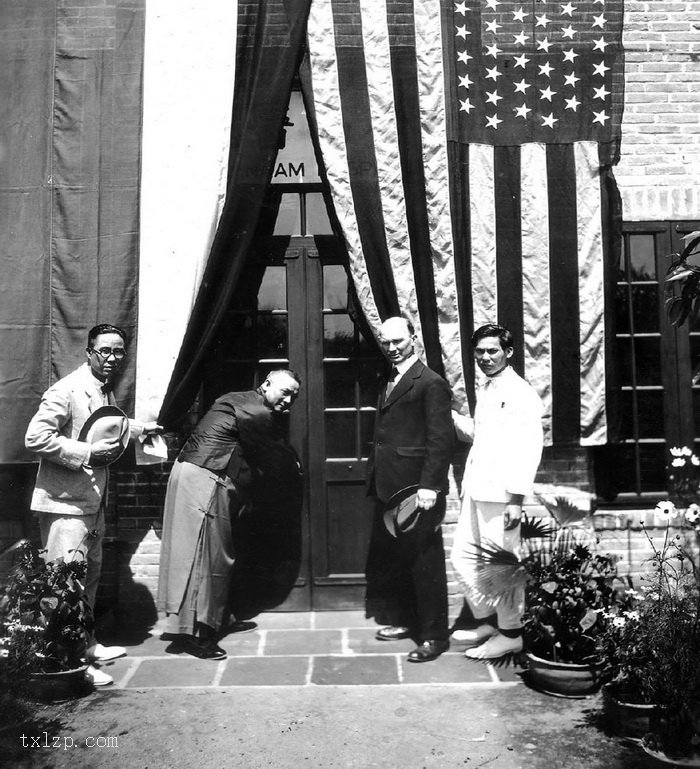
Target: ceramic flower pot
<point>563,679</point>
<point>626,719</point>
<point>62,685</point>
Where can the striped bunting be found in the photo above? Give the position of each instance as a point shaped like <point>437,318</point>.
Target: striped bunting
<point>457,224</point>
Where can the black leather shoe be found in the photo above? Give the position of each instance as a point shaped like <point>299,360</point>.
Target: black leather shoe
<point>428,650</point>
<point>392,633</point>
<point>203,650</point>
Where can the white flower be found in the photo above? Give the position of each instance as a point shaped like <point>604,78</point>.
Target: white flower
<point>694,460</point>
<point>676,452</point>
<point>686,452</point>
<point>692,514</point>
<point>666,508</point>
<point>632,615</point>
<point>678,462</point>
<point>619,621</point>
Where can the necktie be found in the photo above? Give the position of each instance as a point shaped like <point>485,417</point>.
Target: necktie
<point>107,388</point>
<point>391,382</point>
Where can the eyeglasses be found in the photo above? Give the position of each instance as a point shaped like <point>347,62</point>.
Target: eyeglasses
<point>105,352</point>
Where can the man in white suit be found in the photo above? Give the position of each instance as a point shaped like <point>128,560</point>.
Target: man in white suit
<point>507,446</point>
<point>69,493</point>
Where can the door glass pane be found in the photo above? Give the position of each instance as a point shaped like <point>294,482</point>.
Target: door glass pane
<point>651,413</point>
<point>288,220</point>
<point>622,304</point>
<point>340,434</point>
<point>648,359</point>
<point>369,378</point>
<point>272,336</point>
<point>339,384</point>
<point>335,287</point>
<point>317,221</point>
<point>641,257</point>
<point>338,336</point>
<point>645,308</point>
<point>366,432</point>
<point>272,294</point>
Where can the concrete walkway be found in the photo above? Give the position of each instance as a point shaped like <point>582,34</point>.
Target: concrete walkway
<point>316,691</point>
<point>299,649</point>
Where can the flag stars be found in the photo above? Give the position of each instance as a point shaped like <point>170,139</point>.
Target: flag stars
<point>600,69</point>
<point>572,104</point>
<point>546,93</point>
<point>549,120</point>
<point>519,15</point>
<point>464,57</point>
<point>493,98</point>
<point>492,73</point>
<point>569,54</point>
<point>522,86</point>
<point>568,9</point>
<point>521,61</point>
<point>521,38</point>
<point>465,105</point>
<point>493,26</point>
<point>571,79</point>
<point>465,81</point>
<point>492,4</point>
<point>492,50</point>
<point>522,111</point>
<point>600,93</point>
<point>493,121</point>
<point>462,32</point>
<point>461,8</point>
<point>568,32</point>
<point>542,20</point>
<point>599,21</point>
<point>546,69</point>
<point>544,45</point>
<point>599,44</point>
<point>600,117</point>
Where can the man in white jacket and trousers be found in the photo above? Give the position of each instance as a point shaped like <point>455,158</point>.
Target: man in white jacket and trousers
<point>506,431</point>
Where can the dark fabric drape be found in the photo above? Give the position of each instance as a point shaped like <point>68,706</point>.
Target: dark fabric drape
<point>269,48</point>
<point>70,86</point>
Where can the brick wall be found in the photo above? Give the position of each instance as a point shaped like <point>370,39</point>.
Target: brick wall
<point>659,169</point>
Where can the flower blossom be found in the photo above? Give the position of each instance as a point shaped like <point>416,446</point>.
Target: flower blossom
<point>676,451</point>
<point>678,462</point>
<point>619,621</point>
<point>666,508</point>
<point>692,514</point>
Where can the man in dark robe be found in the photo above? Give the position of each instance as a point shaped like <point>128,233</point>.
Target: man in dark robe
<point>239,443</point>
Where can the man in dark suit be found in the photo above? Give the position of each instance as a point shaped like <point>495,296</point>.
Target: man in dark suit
<point>409,462</point>
<point>239,444</point>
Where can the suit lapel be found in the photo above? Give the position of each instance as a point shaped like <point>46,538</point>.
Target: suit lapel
<point>404,384</point>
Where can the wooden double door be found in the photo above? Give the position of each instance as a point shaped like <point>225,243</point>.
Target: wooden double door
<point>292,309</point>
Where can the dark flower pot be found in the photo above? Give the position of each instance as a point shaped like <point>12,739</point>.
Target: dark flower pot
<point>564,679</point>
<point>62,685</point>
<point>626,719</point>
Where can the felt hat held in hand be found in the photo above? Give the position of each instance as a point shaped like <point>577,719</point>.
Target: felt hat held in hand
<point>104,423</point>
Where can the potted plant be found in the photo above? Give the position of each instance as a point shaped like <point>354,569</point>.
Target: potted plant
<point>652,651</point>
<point>45,623</point>
<point>682,284</point>
<point>570,592</point>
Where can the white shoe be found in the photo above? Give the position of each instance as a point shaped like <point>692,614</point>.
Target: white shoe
<point>99,653</point>
<point>98,677</point>
<point>497,646</point>
<point>474,637</point>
